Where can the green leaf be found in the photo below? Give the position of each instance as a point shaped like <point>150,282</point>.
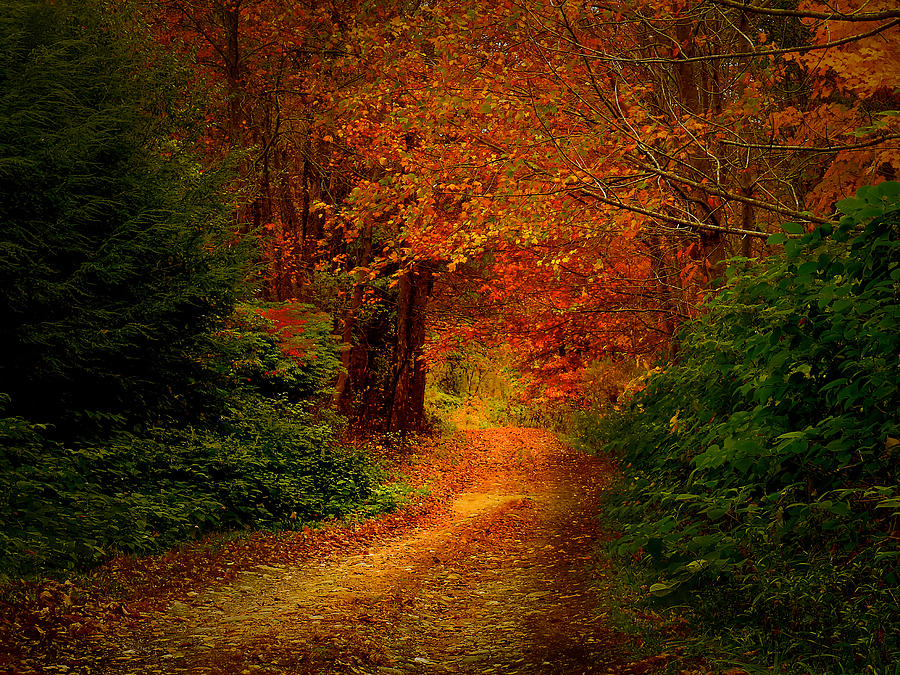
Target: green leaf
<point>889,190</point>
<point>697,565</point>
<point>791,435</point>
<point>840,508</point>
<point>850,205</point>
<point>791,249</point>
<point>808,267</point>
<point>793,228</point>
<point>716,512</point>
<point>661,589</point>
<point>842,305</point>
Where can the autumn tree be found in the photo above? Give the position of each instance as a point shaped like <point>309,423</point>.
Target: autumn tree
<point>720,119</point>
<point>674,136</point>
<point>294,80</point>
<point>584,167</point>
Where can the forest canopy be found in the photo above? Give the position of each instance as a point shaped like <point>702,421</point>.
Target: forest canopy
<point>566,177</point>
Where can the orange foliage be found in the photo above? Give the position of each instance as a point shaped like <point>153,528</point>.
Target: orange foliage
<point>573,175</point>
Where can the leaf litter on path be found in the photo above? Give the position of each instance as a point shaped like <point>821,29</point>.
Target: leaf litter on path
<point>488,574</point>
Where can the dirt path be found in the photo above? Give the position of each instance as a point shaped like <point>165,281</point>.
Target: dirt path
<point>494,582</point>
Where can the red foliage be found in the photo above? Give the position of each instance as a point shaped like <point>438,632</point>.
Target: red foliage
<point>288,324</point>
<point>573,176</point>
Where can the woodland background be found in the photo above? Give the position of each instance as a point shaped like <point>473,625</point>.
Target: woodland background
<point>235,232</point>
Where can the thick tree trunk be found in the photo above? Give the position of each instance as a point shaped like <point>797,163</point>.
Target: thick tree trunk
<point>407,398</point>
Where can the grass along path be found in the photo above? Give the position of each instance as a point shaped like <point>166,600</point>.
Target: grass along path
<point>488,574</point>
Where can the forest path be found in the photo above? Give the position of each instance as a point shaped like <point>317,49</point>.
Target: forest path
<point>490,574</point>
<point>499,586</point>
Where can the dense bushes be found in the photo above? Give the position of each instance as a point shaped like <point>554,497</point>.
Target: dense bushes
<point>761,468</point>
<point>280,349</point>
<point>260,461</point>
<point>64,506</point>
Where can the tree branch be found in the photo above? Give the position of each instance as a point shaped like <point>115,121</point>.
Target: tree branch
<point>740,55</point>
<point>807,148</point>
<point>724,194</point>
<point>804,14</point>
<point>694,226</point>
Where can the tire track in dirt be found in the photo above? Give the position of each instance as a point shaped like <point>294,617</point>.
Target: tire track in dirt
<point>498,585</point>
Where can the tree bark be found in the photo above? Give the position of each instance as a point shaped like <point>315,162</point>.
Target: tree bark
<point>407,397</point>
<point>343,389</point>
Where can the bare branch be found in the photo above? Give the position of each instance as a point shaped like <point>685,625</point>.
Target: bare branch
<point>804,14</point>
<point>657,215</point>
<point>810,148</point>
<point>803,49</point>
<point>724,194</point>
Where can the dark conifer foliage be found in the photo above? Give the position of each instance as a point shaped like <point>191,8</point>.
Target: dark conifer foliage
<point>114,260</point>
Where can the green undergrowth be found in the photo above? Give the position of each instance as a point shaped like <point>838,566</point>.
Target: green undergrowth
<point>760,496</point>
<point>268,464</point>
<point>255,454</point>
<point>243,448</point>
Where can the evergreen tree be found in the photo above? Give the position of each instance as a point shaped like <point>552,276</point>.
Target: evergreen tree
<point>115,259</point>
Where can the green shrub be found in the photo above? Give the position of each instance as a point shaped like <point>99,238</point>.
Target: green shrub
<point>278,349</point>
<point>266,465</point>
<point>761,468</point>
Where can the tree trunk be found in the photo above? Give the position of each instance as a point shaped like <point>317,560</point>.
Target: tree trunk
<point>407,400</point>
<point>232,57</point>
<point>748,222</point>
<point>343,389</point>
<point>666,278</point>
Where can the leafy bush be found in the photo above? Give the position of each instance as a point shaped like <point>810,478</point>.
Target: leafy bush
<point>267,464</point>
<point>277,349</point>
<point>761,469</point>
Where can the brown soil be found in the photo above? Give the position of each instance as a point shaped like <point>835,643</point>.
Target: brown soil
<point>497,579</point>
